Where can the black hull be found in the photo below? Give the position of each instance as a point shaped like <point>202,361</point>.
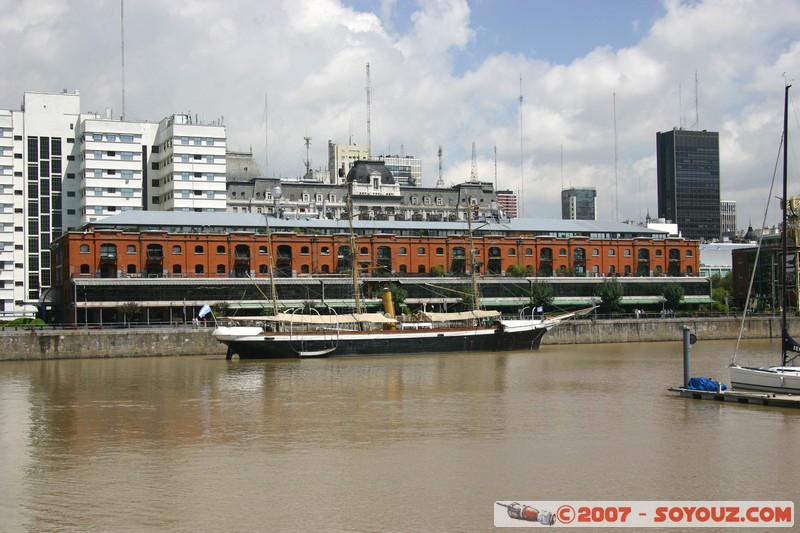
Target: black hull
<point>399,343</point>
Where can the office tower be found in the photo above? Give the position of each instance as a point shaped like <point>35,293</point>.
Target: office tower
<point>688,181</point>
<point>406,170</point>
<point>579,204</point>
<point>728,218</point>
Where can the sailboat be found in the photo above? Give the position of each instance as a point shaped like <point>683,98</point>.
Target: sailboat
<point>300,333</point>
<point>783,378</point>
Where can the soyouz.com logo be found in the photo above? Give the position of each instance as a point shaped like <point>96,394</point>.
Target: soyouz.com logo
<point>640,514</point>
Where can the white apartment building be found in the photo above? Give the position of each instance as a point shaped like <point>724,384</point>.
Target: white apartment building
<point>61,169</point>
<point>113,168</point>
<point>189,162</point>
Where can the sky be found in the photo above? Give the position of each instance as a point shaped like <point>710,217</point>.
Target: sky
<point>551,94</point>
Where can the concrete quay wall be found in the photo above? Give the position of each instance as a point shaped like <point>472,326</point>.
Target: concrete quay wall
<point>39,344</point>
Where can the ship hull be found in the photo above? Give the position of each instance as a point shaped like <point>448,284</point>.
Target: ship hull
<point>777,379</point>
<point>250,344</point>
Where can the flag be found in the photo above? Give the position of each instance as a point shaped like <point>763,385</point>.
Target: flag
<point>204,311</point>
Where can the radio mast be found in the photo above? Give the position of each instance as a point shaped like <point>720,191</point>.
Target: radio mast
<point>369,124</point>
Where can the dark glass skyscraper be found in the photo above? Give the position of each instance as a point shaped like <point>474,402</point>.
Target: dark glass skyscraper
<point>688,181</point>
<point>579,204</point>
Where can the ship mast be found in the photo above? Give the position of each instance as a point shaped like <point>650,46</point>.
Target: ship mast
<point>784,230</point>
<point>476,304</point>
<point>271,264</point>
<point>353,265</point>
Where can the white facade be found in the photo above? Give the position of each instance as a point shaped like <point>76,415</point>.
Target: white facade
<point>11,217</point>
<point>191,166</point>
<point>113,168</point>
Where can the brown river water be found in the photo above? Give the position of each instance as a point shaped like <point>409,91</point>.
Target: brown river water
<point>416,443</point>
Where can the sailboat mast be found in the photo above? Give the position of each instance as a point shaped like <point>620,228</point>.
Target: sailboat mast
<point>784,229</point>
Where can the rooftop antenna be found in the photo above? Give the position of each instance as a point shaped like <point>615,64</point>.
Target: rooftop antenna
<point>308,159</point>
<point>369,123</point>
<point>266,135</point>
<point>696,107</point>
<point>521,158</point>
<point>616,150</point>
<point>440,181</point>
<point>473,174</point>
<point>122,36</point>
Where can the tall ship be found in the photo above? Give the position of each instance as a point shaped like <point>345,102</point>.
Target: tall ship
<point>310,332</point>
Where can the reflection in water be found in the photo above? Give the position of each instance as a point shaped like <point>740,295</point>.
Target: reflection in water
<point>198,443</point>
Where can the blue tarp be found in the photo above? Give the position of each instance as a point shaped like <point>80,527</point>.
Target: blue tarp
<point>705,384</point>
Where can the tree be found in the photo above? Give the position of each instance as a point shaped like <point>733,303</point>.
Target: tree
<point>673,294</point>
<point>541,294</point>
<point>398,294</point>
<point>128,311</point>
<point>221,309</point>
<point>610,293</point>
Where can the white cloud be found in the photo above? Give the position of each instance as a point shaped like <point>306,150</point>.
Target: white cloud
<point>219,59</point>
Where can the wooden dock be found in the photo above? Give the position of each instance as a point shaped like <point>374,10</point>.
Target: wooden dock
<point>747,397</point>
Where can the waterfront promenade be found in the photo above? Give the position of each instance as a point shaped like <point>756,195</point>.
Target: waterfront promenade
<point>49,343</point>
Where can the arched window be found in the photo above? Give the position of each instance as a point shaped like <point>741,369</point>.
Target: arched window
<point>364,250</point>
<point>220,249</point>
<point>403,269</point>
<point>262,250</point>
<point>262,269</point>
<point>304,269</point>
<point>459,263</point>
<point>176,269</point>
<point>84,270</point>
<point>421,250</point>
<point>198,269</point>
<point>108,251</point>
<point>198,249</point>
<point>221,269</point>
<point>421,269</point>
<point>176,249</point>
<point>84,249</point>
<point>304,250</point>
<point>131,248</point>
<point>325,269</point>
